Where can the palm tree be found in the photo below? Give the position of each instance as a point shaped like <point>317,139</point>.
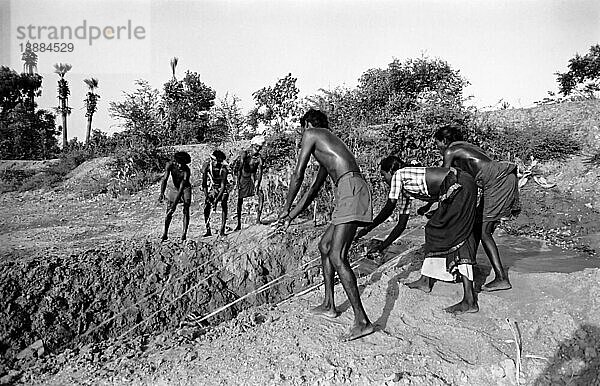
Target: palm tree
<point>174,62</point>
<point>63,96</point>
<point>91,100</point>
<point>29,59</point>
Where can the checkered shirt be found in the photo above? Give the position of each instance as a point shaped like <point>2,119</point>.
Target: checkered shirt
<point>408,183</point>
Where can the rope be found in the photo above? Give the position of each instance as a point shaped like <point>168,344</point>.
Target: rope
<point>263,288</point>
<point>145,298</point>
<point>302,269</point>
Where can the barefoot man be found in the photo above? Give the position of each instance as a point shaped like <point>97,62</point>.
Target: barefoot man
<point>216,189</point>
<point>449,240</point>
<point>249,177</point>
<point>353,208</point>
<point>500,193</point>
<point>181,193</point>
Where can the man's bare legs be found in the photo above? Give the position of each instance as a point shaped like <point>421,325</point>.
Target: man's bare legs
<point>207,207</point>
<point>327,308</point>
<point>240,202</point>
<point>261,201</point>
<point>223,215</point>
<point>469,303</point>
<point>170,210</point>
<point>186,220</point>
<point>424,283</point>
<point>336,259</point>
<point>484,233</point>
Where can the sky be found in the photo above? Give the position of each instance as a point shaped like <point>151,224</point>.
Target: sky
<point>508,50</point>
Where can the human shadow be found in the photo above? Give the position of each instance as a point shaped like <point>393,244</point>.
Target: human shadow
<point>577,360</point>
<point>480,275</point>
<point>392,291</point>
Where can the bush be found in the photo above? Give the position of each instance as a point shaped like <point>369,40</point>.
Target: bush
<point>528,139</point>
<point>279,150</point>
<point>136,169</point>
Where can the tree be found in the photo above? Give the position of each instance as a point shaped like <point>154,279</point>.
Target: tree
<point>18,89</point>
<point>29,59</point>
<point>185,109</point>
<point>63,97</point>
<point>140,114</point>
<point>583,77</point>
<point>24,132</point>
<point>91,101</point>
<point>228,113</point>
<point>278,106</point>
<point>386,93</point>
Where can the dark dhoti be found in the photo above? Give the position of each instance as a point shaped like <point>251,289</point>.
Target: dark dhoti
<point>246,186</point>
<point>500,186</point>
<point>449,240</point>
<point>353,200</point>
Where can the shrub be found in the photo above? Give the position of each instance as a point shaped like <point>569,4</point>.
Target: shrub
<point>279,150</point>
<point>528,139</point>
<point>136,169</point>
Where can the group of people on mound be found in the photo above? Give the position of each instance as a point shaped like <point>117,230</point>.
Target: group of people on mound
<point>472,193</point>
<point>215,184</point>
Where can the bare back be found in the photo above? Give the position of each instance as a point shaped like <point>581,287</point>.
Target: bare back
<point>466,156</point>
<point>331,153</point>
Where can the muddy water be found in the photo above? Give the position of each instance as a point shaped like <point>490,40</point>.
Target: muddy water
<point>527,255</point>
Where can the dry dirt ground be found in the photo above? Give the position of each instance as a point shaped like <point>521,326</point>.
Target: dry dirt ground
<point>556,316</point>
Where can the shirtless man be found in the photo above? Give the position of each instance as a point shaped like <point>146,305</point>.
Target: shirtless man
<point>500,193</point>
<point>216,188</point>
<point>249,177</point>
<point>450,245</point>
<point>180,175</point>
<point>353,208</point>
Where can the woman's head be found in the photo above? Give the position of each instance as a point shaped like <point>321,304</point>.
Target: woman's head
<point>389,165</point>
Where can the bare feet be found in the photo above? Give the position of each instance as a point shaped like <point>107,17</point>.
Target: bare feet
<point>423,284</point>
<point>357,331</point>
<point>497,285</point>
<point>462,308</point>
<point>322,310</point>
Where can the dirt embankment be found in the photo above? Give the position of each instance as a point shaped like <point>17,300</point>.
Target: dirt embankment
<point>139,287</point>
<point>415,343</point>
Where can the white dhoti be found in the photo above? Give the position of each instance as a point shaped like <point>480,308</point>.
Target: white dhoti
<point>435,267</point>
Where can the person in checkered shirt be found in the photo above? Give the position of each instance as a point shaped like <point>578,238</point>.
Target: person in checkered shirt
<point>353,208</point>
<point>450,244</point>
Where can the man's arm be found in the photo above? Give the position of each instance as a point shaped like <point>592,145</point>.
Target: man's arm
<point>298,173</point>
<point>164,180</point>
<point>449,155</point>
<point>383,215</point>
<point>395,233</point>
<point>205,172</point>
<point>240,167</point>
<point>311,193</point>
<point>259,173</point>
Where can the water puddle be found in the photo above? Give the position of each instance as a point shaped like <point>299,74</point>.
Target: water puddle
<point>534,256</point>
